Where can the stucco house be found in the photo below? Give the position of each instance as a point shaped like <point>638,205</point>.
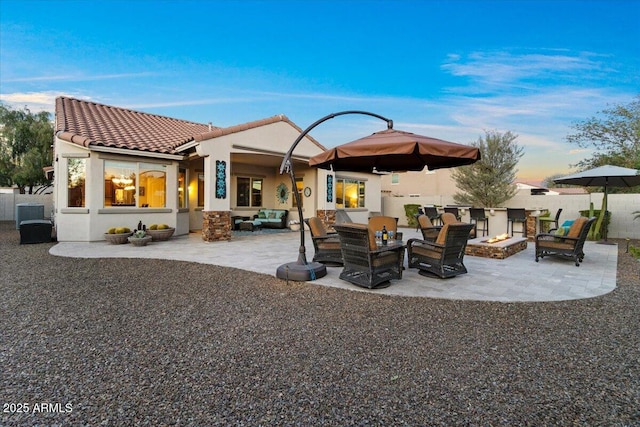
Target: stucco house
<point>116,167</point>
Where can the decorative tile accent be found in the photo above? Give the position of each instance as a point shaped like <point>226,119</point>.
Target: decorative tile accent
<point>221,179</point>
<point>329,188</point>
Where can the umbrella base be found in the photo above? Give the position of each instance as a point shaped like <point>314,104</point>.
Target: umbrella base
<point>301,272</point>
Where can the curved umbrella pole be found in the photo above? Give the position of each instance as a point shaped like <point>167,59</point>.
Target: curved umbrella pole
<point>301,270</point>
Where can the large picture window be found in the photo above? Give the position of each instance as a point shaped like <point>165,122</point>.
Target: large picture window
<point>249,192</point>
<point>349,193</point>
<point>134,184</point>
<point>200,190</point>
<point>76,176</point>
<point>182,188</point>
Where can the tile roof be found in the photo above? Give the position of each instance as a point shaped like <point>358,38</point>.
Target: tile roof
<point>217,132</point>
<point>88,123</point>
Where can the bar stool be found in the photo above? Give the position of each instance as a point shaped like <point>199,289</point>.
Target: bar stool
<point>453,210</point>
<point>477,216</point>
<point>549,221</point>
<point>517,215</point>
<point>432,213</point>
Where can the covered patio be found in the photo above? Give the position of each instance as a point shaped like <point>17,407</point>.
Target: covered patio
<point>515,279</point>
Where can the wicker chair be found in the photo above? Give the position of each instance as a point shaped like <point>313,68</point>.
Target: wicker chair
<point>429,231</point>
<point>450,218</point>
<point>444,256</point>
<point>365,263</point>
<point>570,245</point>
<point>326,245</point>
<point>390,223</point>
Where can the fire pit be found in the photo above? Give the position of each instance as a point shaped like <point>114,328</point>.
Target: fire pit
<point>498,247</point>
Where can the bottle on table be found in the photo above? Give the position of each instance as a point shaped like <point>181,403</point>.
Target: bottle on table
<point>385,235</point>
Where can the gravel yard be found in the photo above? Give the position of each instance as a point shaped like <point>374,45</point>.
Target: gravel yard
<point>151,342</point>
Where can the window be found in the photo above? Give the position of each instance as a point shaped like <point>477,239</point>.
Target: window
<point>182,188</point>
<point>76,176</point>
<point>249,192</point>
<point>134,184</point>
<point>200,189</point>
<point>300,188</point>
<point>349,193</point>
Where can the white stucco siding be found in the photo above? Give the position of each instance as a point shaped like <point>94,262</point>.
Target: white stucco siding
<point>89,222</point>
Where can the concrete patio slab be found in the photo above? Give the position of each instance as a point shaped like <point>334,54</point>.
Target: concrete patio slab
<point>515,279</point>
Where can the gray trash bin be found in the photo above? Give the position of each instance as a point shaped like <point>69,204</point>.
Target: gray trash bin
<point>28,211</point>
<point>35,231</point>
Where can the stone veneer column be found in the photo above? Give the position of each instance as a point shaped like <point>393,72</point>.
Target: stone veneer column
<point>216,226</point>
<point>328,217</point>
<point>532,228</point>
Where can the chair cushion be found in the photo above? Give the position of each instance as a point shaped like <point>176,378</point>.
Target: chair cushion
<point>576,227</point>
<point>424,221</point>
<point>448,218</point>
<point>426,251</point>
<point>559,244</point>
<point>317,227</point>
<point>329,244</point>
<point>272,215</point>
<point>377,222</point>
<point>442,236</point>
<point>561,231</point>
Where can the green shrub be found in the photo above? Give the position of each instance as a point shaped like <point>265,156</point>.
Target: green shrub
<point>411,210</point>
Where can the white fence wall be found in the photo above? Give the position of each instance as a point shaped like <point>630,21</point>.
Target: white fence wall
<point>621,207</point>
<point>9,201</point>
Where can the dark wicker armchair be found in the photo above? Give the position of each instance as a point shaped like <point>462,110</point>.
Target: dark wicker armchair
<point>326,245</point>
<point>365,263</point>
<point>570,245</point>
<point>444,256</point>
<point>429,231</point>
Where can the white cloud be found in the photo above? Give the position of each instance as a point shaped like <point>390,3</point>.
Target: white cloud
<point>34,101</point>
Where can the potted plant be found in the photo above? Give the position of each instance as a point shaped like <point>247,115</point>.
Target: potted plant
<point>117,235</point>
<point>139,238</point>
<point>160,232</point>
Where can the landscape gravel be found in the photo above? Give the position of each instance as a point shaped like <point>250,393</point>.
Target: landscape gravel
<point>110,342</point>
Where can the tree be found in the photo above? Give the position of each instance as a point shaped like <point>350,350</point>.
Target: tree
<point>489,181</point>
<point>25,147</point>
<point>615,137</point>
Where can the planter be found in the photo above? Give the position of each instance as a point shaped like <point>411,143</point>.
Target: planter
<point>295,227</point>
<point>161,235</point>
<point>139,241</point>
<point>117,239</point>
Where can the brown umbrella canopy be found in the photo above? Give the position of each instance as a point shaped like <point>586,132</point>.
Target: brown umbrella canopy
<point>398,151</point>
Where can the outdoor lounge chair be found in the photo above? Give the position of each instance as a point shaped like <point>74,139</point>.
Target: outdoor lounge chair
<point>569,245</point>
<point>450,218</point>
<point>390,223</point>
<point>326,245</point>
<point>429,231</point>
<point>444,256</point>
<point>366,263</point>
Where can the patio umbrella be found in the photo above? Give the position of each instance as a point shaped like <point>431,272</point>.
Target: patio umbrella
<point>395,151</point>
<point>604,176</point>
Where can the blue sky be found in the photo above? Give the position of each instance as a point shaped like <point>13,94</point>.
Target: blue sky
<point>447,69</point>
